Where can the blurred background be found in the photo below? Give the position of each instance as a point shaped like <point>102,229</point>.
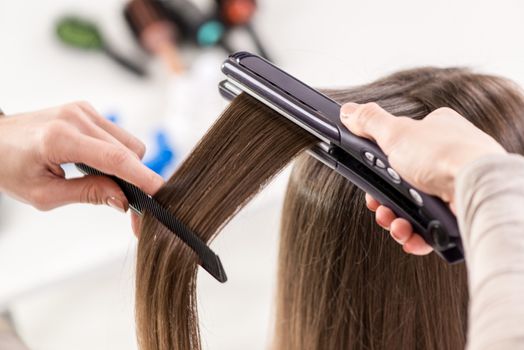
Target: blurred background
<point>66,276</point>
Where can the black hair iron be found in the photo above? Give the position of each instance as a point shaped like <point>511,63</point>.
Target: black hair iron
<point>358,159</point>
<point>140,201</point>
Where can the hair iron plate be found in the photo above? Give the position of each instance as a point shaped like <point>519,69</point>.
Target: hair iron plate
<point>358,159</point>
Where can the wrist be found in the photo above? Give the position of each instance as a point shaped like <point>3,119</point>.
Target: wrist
<point>465,160</point>
<point>471,164</point>
<point>459,164</point>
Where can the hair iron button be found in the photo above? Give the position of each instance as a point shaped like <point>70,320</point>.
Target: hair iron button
<point>380,164</point>
<point>394,175</point>
<point>416,196</point>
<point>369,157</point>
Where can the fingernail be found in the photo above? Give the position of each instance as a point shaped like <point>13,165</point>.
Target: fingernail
<point>394,235</point>
<point>397,238</point>
<point>159,183</point>
<point>116,203</point>
<point>385,227</point>
<point>347,109</point>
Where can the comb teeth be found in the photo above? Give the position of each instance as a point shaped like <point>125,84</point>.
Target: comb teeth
<point>208,259</point>
<point>140,202</point>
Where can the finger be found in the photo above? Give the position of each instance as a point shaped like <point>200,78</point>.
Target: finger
<point>109,159</point>
<point>384,216</point>
<point>453,207</point>
<point>417,246</point>
<point>88,189</point>
<point>80,115</point>
<point>91,129</point>
<point>401,230</point>
<point>135,223</point>
<point>128,140</point>
<point>371,203</point>
<point>371,121</point>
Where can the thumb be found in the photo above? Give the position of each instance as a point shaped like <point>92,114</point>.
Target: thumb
<point>370,121</point>
<point>88,189</point>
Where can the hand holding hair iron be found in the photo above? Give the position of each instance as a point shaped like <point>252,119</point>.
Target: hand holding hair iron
<point>139,201</point>
<point>358,159</point>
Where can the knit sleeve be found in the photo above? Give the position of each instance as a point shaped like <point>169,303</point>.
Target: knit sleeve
<point>489,197</point>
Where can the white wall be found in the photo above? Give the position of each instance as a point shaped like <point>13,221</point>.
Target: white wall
<point>67,275</point>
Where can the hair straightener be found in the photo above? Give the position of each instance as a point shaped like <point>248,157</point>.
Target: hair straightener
<point>357,159</point>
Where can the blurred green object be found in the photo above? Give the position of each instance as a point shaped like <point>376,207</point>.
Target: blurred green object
<point>80,33</point>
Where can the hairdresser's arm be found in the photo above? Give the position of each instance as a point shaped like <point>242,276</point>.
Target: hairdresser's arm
<point>33,145</point>
<point>486,185</point>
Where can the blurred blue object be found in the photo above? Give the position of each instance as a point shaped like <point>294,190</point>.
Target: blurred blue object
<point>164,156</point>
<point>112,117</point>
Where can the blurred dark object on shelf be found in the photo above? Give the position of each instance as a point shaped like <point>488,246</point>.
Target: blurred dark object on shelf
<point>240,13</point>
<point>236,12</point>
<point>154,32</point>
<point>83,34</point>
<point>193,26</point>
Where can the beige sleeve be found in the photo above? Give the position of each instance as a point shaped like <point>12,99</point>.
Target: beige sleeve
<point>489,198</point>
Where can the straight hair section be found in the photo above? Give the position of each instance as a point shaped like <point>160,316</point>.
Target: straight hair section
<point>245,148</point>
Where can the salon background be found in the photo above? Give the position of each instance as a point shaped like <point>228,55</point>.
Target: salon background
<point>67,275</point>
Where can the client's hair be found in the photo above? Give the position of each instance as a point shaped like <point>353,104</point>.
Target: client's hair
<point>246,147</point>
<point>343,283</point>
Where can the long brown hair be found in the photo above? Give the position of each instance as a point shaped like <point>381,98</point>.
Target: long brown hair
<point>247,146</point>
<point>342,282</point>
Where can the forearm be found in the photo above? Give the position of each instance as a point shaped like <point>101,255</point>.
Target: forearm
<point>490,208</point>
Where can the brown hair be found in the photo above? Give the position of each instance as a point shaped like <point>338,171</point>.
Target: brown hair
<point>341,284</point>
<point>240,153</point>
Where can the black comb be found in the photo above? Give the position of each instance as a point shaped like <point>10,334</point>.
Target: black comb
<point>139,201</point>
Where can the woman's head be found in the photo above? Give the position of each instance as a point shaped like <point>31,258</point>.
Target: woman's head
<point>343,282</point>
